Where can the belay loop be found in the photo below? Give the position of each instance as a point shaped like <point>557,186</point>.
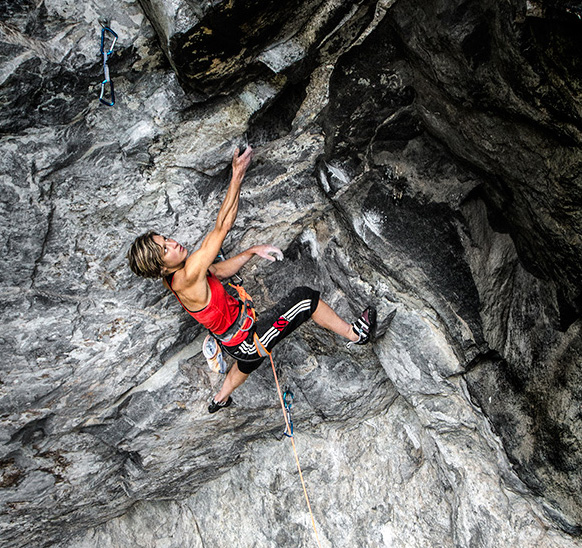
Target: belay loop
<point>108,40</point>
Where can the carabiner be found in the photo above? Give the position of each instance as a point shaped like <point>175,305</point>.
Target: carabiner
<point>249,317</point>
<point>289,432</point>
<point>103,31</point>
<point>288,398</point>
<point>102,98</point>
<point>110,101</point>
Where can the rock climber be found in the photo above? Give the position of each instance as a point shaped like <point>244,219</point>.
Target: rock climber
<point>195,279</point>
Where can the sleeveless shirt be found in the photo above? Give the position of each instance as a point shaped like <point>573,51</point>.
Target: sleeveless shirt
<point>220,313</point>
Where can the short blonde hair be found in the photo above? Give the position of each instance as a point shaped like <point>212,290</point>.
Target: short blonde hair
<point>145,256</point>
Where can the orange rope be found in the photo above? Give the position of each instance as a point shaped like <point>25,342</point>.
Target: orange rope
<point>257,344</point>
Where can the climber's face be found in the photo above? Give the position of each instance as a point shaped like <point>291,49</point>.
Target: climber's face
<point>173,254</point>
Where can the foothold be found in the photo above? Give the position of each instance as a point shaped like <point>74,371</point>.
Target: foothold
<point>389,318</point>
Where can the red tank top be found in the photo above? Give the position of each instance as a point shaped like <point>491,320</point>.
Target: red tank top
<point>220,313</point>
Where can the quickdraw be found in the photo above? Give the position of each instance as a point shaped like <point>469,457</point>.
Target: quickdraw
<point>288,398</point>
<point>107,35</point>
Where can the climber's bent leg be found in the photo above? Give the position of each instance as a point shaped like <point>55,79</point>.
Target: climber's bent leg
<point>325,316</point>
<point>273,326</point>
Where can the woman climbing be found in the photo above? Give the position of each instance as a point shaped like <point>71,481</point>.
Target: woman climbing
<point>196,282</point>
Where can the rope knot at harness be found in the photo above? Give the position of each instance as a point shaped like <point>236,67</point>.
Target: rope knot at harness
<point>246,318</point>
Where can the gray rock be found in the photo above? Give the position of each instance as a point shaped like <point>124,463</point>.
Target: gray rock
<point>403,157</point>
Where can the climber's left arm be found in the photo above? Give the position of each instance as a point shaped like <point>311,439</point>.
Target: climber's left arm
<point>226,269</point>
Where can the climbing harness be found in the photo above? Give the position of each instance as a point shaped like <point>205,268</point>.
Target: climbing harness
<point>289,428</point>
<point>246,313</point>
<point>288,398</point>
<point>107,35</point>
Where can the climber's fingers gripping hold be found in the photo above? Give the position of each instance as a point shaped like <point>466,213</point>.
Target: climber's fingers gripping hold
<point>269,252</point>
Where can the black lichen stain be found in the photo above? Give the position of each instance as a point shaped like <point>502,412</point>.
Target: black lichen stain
<point>427,233</point>
<point>213,52</point>
<point>10,474</point>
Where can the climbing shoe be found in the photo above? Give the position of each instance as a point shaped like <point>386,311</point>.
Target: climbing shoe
<point>217,406</point>
<point>364,326</point>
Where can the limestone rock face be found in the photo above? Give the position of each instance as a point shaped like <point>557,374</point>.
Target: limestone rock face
<point>421,157</point>
<point>215,46</point>
<point>510,82</point>
<point>498,89</point>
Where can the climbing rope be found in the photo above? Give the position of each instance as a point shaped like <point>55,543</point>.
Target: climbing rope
<point>107,35</point>
<point>289,428</point>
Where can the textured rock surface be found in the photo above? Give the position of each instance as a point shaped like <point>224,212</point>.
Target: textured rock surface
<point>425,158</point>
<point>412,502</point>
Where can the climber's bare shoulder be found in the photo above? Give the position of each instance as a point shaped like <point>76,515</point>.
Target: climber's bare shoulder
<point>190,283</point>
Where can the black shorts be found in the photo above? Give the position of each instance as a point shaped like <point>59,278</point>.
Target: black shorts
<point>274,325</point>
